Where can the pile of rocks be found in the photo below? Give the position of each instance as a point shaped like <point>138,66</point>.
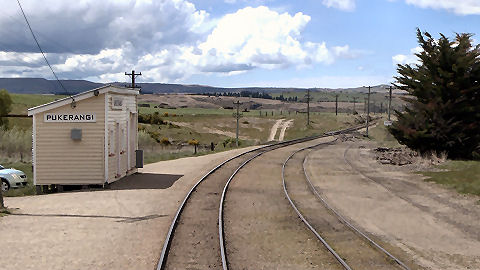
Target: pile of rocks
<point>395,156</point>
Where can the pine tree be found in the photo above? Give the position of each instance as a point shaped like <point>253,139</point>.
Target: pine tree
<point>443,111</point>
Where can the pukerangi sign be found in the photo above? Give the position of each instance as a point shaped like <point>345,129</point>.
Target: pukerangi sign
<point>69,118</point>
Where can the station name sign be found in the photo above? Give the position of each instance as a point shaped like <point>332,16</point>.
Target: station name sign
<point>69,117</point>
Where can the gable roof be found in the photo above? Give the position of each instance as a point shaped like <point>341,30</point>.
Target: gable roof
<point>81,96</point>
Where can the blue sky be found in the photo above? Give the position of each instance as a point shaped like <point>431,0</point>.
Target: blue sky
<point>232,43</point>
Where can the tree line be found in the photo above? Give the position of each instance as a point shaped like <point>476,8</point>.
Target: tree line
<point>252,95</point>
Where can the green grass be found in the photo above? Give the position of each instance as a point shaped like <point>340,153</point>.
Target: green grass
<point>161,156</point>
<point>27,169</point>
<point>380,134</point>
<point>182,112</point>
<point>342,97</point>
<point>463,176</point>
<point>20,104</point>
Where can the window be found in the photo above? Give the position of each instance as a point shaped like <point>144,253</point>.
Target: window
<point>117,103</point>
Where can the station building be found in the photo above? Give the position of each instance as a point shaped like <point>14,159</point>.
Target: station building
<point>86,139</point>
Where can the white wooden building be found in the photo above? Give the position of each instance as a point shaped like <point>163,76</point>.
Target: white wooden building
<point>89,138</point>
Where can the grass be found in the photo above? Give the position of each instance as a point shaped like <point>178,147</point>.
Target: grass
<point>380,134</point>
<point>20,104</point>
<point>192,111</point>
<point>463,176</point>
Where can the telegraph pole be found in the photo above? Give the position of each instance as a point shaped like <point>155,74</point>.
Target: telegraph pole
<point>389,103</point>
<point>133,75</point>
<point>336,104</point>
<point>354,101</point>
<point>365,105</point>
<point>237,115</point>
<point>368,108</point>
<point>308,107</point>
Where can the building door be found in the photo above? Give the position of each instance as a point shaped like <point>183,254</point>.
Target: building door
<point>131,134</point>
<point>117,148</point>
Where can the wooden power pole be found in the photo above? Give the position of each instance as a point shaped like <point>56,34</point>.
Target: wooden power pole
<point>336,104</point>
<point>368,108</point>
<point>133,75</point>
<point>389,103</point>
<point>354,101</point>
<point>308,107</point>
<point>237,115</point>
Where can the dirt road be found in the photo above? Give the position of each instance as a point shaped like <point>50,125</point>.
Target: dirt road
<point>274,129</point>
<point>438,228</point>
<point>285,125</point>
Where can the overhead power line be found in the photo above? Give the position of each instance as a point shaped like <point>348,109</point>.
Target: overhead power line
<point>43,54</point>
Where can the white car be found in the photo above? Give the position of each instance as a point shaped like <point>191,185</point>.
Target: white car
<point>12,178</point>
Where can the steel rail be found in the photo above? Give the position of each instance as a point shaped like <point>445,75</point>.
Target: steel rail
<point>345,221</point>
<point>168,240</point>
<point>220,210</point>
<point>332,251</point>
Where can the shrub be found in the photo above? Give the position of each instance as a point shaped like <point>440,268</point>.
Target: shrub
<point>153,119</point>
<point>165,141</point>
<point>193,142</point>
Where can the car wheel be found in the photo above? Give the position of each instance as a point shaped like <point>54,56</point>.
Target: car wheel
<point>5,185</point>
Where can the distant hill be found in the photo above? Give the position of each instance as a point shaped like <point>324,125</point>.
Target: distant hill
<point>43,86</point>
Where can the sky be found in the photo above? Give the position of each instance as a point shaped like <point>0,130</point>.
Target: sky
<point>226,43</point>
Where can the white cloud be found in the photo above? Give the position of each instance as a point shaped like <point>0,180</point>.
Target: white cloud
<point>325,82</point>
<point>411,58</point>
<point>346,5</point>
<point>168,41</point>
<point>461,7</point>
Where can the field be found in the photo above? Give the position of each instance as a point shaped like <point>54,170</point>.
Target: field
<point>210,120</point>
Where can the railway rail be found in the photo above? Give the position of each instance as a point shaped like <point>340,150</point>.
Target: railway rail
<point>332,211</point>
<point>250,155</point>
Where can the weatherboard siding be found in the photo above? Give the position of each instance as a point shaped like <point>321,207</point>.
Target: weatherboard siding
<point>120,116</point>
<point>61,160</point>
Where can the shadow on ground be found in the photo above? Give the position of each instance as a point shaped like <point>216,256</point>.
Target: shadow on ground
<point>145,181</point>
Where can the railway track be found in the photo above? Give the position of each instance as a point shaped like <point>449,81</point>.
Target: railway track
<point>187,247</point>
<point>351,248</point>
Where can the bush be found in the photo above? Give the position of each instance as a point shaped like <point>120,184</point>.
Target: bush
<point>165,141</point>
<point>193,142</point>
<point>153,119</point>
<point>165,114</point>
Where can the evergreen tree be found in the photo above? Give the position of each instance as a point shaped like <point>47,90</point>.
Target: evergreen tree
<point>443,111</point>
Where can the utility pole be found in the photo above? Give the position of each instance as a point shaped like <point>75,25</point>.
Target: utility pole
<point>133,75</point>
<point>389,103</point>
<point>365,105</point>
<point>354,101</point>
<point>336,104</point>
<point>308,107</point>
<point>237,115</point>
<point>368,108</point>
